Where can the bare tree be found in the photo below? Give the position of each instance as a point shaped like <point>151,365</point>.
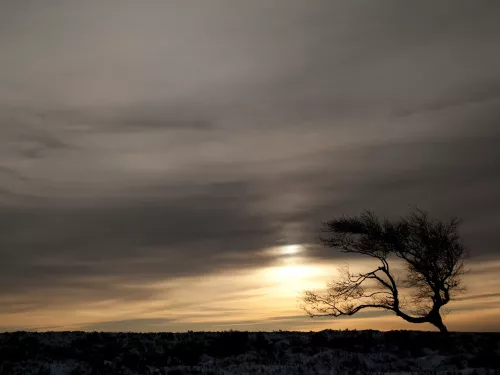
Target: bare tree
<point>429,249</point>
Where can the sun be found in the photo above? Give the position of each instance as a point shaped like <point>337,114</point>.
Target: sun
<point>290,249</point>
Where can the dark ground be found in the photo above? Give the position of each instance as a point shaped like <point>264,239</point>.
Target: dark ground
<point>325,352</point>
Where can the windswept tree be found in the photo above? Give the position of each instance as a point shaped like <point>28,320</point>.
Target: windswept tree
<point>429,270</point>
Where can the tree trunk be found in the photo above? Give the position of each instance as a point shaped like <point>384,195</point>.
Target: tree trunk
<point>438,322</point>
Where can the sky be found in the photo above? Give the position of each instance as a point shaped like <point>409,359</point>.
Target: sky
<point>167,165</point>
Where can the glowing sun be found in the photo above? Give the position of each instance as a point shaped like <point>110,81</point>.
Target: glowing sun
<point>290,249</point>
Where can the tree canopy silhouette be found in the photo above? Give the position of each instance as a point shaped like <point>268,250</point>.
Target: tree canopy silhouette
<point>430,251</point>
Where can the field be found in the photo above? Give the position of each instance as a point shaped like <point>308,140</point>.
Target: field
<point>233,352</point>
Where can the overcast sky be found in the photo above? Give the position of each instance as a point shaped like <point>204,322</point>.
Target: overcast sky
<point>152,152</point>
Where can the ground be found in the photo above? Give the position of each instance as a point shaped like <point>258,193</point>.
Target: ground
<point>325,352</point>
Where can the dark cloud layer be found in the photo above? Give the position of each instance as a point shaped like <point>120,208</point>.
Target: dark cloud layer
<point>143,142</point>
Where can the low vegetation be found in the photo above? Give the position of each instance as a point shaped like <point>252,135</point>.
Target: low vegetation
<point>325,352</point>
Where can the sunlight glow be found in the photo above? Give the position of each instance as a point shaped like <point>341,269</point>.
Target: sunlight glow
<point>287,274</point>
<point>291,249</point>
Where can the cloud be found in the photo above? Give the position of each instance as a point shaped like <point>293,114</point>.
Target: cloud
<point>149,143</point>
<point>478,296</point>
<point>486,93</point>
<point>135,240</point>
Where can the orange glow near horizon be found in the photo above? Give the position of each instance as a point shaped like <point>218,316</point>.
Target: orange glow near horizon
<point>258,299</point>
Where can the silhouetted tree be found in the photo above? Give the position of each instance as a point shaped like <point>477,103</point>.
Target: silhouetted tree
<point>430,251</point>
